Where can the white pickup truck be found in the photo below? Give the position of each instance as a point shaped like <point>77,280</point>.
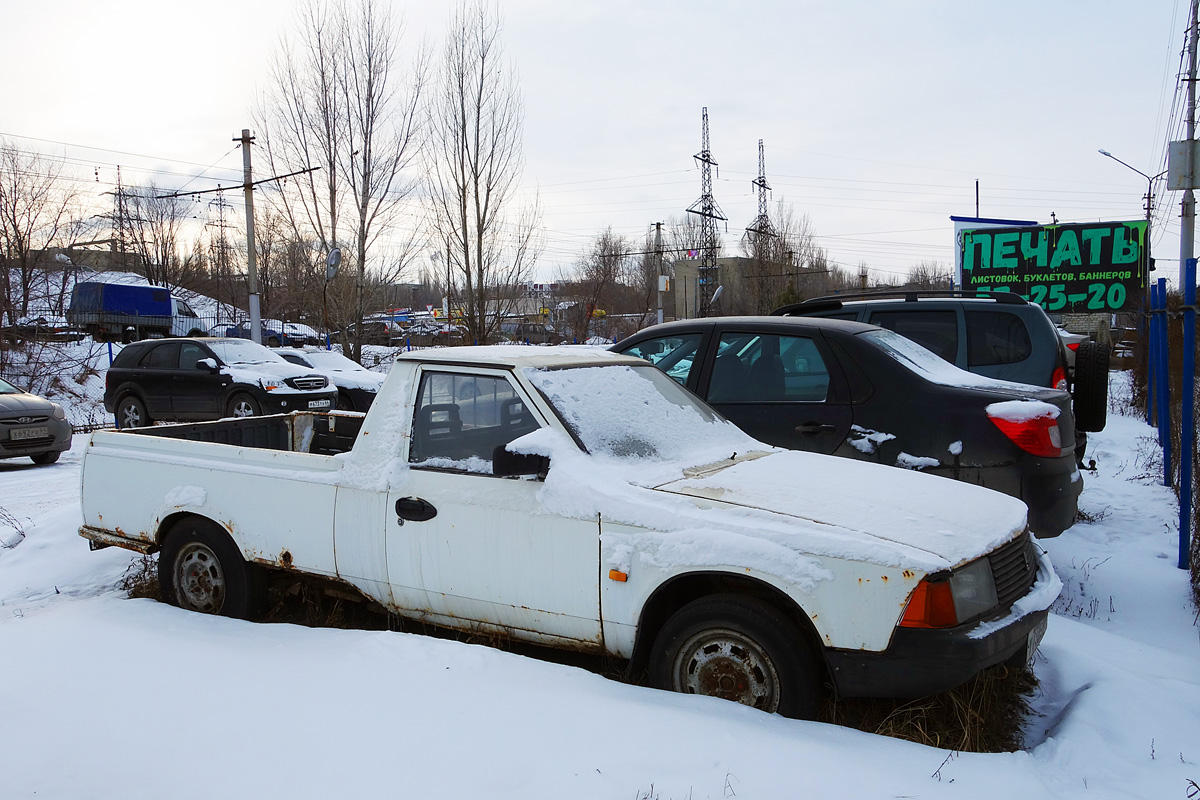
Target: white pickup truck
<point>582,499</point>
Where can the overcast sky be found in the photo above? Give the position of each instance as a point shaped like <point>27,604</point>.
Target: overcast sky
<point>877,117</point>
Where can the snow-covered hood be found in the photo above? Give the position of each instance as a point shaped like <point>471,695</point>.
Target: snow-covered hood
<point>251,373</point>
<point>24,404</point>
<point>852,500</point>
<point>354,378</point>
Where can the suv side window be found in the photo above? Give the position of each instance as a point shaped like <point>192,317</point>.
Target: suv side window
<point>674,355</point>
<point>936,331</point>
<point>189,354</point>
<point>460,419</point>
<point>752,367</point>
<point>996,338</point>
<point>165,356</point>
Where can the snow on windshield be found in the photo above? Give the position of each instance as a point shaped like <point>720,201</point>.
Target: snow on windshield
<point>635,413</point>
<point>242,351</point>
<point>932,367</point>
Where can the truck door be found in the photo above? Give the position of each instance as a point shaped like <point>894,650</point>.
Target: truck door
<point>482,547</point>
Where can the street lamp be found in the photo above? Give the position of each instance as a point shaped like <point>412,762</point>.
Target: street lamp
<point>1149,205</point>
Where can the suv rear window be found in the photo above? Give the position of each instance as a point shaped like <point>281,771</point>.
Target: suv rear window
<point>996,338</point>
<point>936,331</point>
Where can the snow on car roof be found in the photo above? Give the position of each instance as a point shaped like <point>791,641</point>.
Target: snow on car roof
<point>520,356</point>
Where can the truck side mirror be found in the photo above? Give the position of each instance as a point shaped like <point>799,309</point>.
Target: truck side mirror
<point>506,464</point>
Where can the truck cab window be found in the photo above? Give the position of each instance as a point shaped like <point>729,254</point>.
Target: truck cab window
<point>460,419</point>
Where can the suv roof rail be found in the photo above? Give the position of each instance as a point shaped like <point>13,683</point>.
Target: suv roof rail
<point>833,302</point>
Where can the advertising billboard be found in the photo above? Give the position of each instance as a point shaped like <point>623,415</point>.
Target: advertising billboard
<point>1088,268</point>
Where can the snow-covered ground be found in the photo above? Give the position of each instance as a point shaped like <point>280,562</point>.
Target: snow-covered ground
<point>102,696</point>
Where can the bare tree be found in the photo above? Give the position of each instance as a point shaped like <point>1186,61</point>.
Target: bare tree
<point>787,265</point>
<point>35,210</point>
<point>474,165</point>
<point>340,102</point>
<point>598,278</point>
<point>931,275</point>
<point>157,223</point>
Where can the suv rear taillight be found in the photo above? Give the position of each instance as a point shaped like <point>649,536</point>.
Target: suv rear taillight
<point>1037,435</point>
<point>1058,379</point>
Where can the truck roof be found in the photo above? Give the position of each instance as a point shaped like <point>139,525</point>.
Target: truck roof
<point>520,356</point>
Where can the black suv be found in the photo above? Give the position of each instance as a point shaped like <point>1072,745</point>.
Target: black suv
<point>199,379</point>
<point>999,335</point>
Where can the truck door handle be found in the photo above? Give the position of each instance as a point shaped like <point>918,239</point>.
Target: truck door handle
<point>414,509</point>
<point>811,428</point>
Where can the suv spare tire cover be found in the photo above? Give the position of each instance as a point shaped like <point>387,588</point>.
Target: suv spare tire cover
<point>1091,386</point>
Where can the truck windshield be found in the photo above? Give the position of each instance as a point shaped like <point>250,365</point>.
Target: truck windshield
<point>241,351</point>
<point>637,412</point>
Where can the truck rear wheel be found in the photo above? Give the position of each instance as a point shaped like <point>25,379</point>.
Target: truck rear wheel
<point>200,569</point>
<point>737,648</point>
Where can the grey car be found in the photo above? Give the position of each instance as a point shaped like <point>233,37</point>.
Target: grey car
<point>31,426</point>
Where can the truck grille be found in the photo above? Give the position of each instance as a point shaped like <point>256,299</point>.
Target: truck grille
<point>1014,568</point>
<point>309,384</point>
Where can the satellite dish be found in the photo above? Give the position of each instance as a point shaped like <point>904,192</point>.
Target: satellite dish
<point>331,263</point>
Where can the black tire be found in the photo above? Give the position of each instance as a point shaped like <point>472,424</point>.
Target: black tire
<point>272,341</point>
<point>243,405</point>
<point>739,649</point>
<point>1091,386</point>
<point>131,413</point>
<point>194,332</point>
<point>200,569</point>
<point>344,403</point>
<point>42,459</point>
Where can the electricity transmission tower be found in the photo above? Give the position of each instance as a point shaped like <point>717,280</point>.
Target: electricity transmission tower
<point>706,208</point>
<point>761,227</point>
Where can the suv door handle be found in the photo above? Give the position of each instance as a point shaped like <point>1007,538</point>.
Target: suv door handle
<point>414,509</point>
<point>812,428</point>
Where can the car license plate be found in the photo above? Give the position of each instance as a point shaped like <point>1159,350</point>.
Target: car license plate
<point>17,434</point>
<point>318,404</point>
<point>1035,638</point>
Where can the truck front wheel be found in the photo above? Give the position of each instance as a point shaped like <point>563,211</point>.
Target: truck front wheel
<point>737,648</point>
<point>200,569</point>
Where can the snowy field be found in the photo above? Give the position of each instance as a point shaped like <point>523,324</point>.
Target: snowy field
<point>105,697</point>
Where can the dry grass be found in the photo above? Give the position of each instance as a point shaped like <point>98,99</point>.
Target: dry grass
<point>985,715</point>
<point>141,579</point>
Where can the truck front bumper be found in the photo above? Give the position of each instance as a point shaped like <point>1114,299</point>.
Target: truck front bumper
<point>924,661</point>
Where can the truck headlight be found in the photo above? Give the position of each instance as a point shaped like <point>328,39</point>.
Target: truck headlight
<point>973,589</point>
<point>943,602</point>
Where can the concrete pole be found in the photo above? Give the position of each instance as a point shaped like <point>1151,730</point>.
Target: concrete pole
<point>1187,230</point>
<point>659,269</point>
<point>251,264</point>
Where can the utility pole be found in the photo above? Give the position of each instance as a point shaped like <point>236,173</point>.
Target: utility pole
<point>658,271</point>
<point>251,265</point>
<point>706,208</point>
<point>1187,230</point>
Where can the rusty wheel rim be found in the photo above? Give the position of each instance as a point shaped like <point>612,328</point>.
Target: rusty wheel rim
<point>727,664</point>
<point>199,579</point>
